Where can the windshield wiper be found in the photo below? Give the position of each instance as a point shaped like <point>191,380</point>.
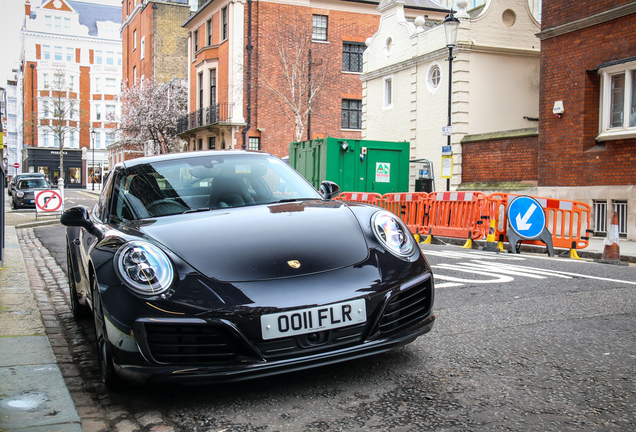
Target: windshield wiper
<point>201,209</point>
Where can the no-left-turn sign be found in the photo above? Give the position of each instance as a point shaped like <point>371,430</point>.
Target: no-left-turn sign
<point>48,200</point>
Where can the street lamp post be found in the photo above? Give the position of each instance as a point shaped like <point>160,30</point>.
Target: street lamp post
<point>451,27</point>
<point>93,176</point>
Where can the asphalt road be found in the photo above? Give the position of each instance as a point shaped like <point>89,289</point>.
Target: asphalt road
<point>521,343</point>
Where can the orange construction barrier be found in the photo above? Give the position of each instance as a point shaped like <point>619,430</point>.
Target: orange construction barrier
<point>364,197</point>
<point>455,214</point>
<point>568,221</point>
<point>407,206</point>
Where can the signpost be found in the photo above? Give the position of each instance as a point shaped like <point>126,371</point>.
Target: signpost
<point>527,221</point>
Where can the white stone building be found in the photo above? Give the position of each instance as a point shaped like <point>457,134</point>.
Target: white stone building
<point>79,40</point>
<point>495,80</point>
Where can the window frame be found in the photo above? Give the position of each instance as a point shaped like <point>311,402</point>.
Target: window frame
<point>351,52</point>
<point>387,92</point>
<point>317,29</point>
<point>627,130</point>
<point>209,29</point>
<point>225,15</point>
<point>346,112</point>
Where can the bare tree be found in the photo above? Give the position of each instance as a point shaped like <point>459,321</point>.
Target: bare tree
<point>150,111</point>
<point>61,112</point>
<point>300,75</point>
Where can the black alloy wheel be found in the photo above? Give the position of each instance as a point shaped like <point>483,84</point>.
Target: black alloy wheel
<point>79,310</point>
<point>106,366</point>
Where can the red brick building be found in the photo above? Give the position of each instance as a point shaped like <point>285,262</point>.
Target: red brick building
<point>231,104</point>
<point>588,151</point>
<point>154,46</point>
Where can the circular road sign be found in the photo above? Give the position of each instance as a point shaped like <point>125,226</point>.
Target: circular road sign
<point>16,165</point>
<point>48,200</point>
<point>526,217</point>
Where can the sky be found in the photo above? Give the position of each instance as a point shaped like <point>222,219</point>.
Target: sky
<point>11,19</point>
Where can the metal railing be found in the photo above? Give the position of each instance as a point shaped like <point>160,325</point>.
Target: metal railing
<point>210,115</point>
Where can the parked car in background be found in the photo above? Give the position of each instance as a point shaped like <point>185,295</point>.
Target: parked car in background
<point>15,178</point>
<point>199,267</point>
<point>23,194</point>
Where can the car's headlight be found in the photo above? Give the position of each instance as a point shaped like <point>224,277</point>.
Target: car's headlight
<point>144,268</point>
<point>392,234</point>
<point>19,194</point>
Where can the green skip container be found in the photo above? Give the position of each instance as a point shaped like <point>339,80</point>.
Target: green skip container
<point>356,165</point>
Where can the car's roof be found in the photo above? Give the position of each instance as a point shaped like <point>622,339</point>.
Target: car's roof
<point>185,155</point>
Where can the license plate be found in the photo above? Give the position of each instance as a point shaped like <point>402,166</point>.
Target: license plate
<point>310,320</point>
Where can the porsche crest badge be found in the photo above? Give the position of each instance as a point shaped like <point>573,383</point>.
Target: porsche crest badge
<point>294,264</point>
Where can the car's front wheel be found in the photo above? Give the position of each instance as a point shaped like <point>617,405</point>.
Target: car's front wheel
<point>106,365</point>
<point>79,310</point>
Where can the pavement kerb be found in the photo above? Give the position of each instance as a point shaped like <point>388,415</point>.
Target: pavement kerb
<point>33,393</point>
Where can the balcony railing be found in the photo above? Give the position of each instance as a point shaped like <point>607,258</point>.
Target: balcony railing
<point>213,114</point>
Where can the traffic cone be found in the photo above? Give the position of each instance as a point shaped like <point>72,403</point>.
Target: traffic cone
<point>612,251</point>
<point>491,239</point>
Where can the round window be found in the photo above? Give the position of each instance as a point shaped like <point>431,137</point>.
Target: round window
<point>435,76</point>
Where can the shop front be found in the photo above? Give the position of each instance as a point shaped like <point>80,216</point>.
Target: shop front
<point>47,162</point>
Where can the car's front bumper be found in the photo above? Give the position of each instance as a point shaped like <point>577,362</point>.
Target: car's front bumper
<point>220,349</point>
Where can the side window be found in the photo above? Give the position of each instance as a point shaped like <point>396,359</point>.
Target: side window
<point>102,208</point>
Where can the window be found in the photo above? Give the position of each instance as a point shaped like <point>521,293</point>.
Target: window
<point>253,143</point>
<point>58,24</point>
<point>45,80</point>
<point>98,57</point>
<point>212,87</point>
<point>48,22</point>
<point>46,52</point>
<point>618,101</point>
<point>98,112</point>
<point>110,58</point>
<point>69,54</point>
<point>58,53</point>
<point>134,40</point>
<point>435,76</point>
<point>620,207</point>
<point>200,144</point>
<point>71,82</point>
<point>111,85</point>
<point>351,114</point>
<point>319,28</point>
<point>211,143</point>
<point>110,112</point>
<point>388,92</point>
<point>45,109</point>
<point>142,54</point>
<point>195,38</point>
<point>45,140</point>
<point>71,140</point>
<point>209,28</point>
<point>134,75</point>
<point>224,23</point>
<point>110,138</point>
<point>352,56</point>
<point>67,24</point>
<point>200,90</point>
<point>119,59</point>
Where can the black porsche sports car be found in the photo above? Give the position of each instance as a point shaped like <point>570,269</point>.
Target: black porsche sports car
<point>226,265</point>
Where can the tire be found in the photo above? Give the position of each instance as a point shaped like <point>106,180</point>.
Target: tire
<point>79,310</point>
<point>104,356</point>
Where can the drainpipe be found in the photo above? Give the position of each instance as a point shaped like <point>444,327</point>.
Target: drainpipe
<point>249,75</point>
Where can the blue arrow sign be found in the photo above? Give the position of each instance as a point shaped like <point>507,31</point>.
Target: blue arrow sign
<point>526,217</point>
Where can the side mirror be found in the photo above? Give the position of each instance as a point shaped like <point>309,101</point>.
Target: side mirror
<point>329,189</point>
<point>77,217</point>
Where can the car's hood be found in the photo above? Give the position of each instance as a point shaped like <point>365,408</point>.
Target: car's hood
<point>265,241</point>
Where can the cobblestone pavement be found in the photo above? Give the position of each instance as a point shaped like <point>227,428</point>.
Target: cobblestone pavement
<point>73,346</point>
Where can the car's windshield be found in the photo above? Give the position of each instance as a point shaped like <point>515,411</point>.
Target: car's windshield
<point>205,183</point>
<point>34,183</point>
